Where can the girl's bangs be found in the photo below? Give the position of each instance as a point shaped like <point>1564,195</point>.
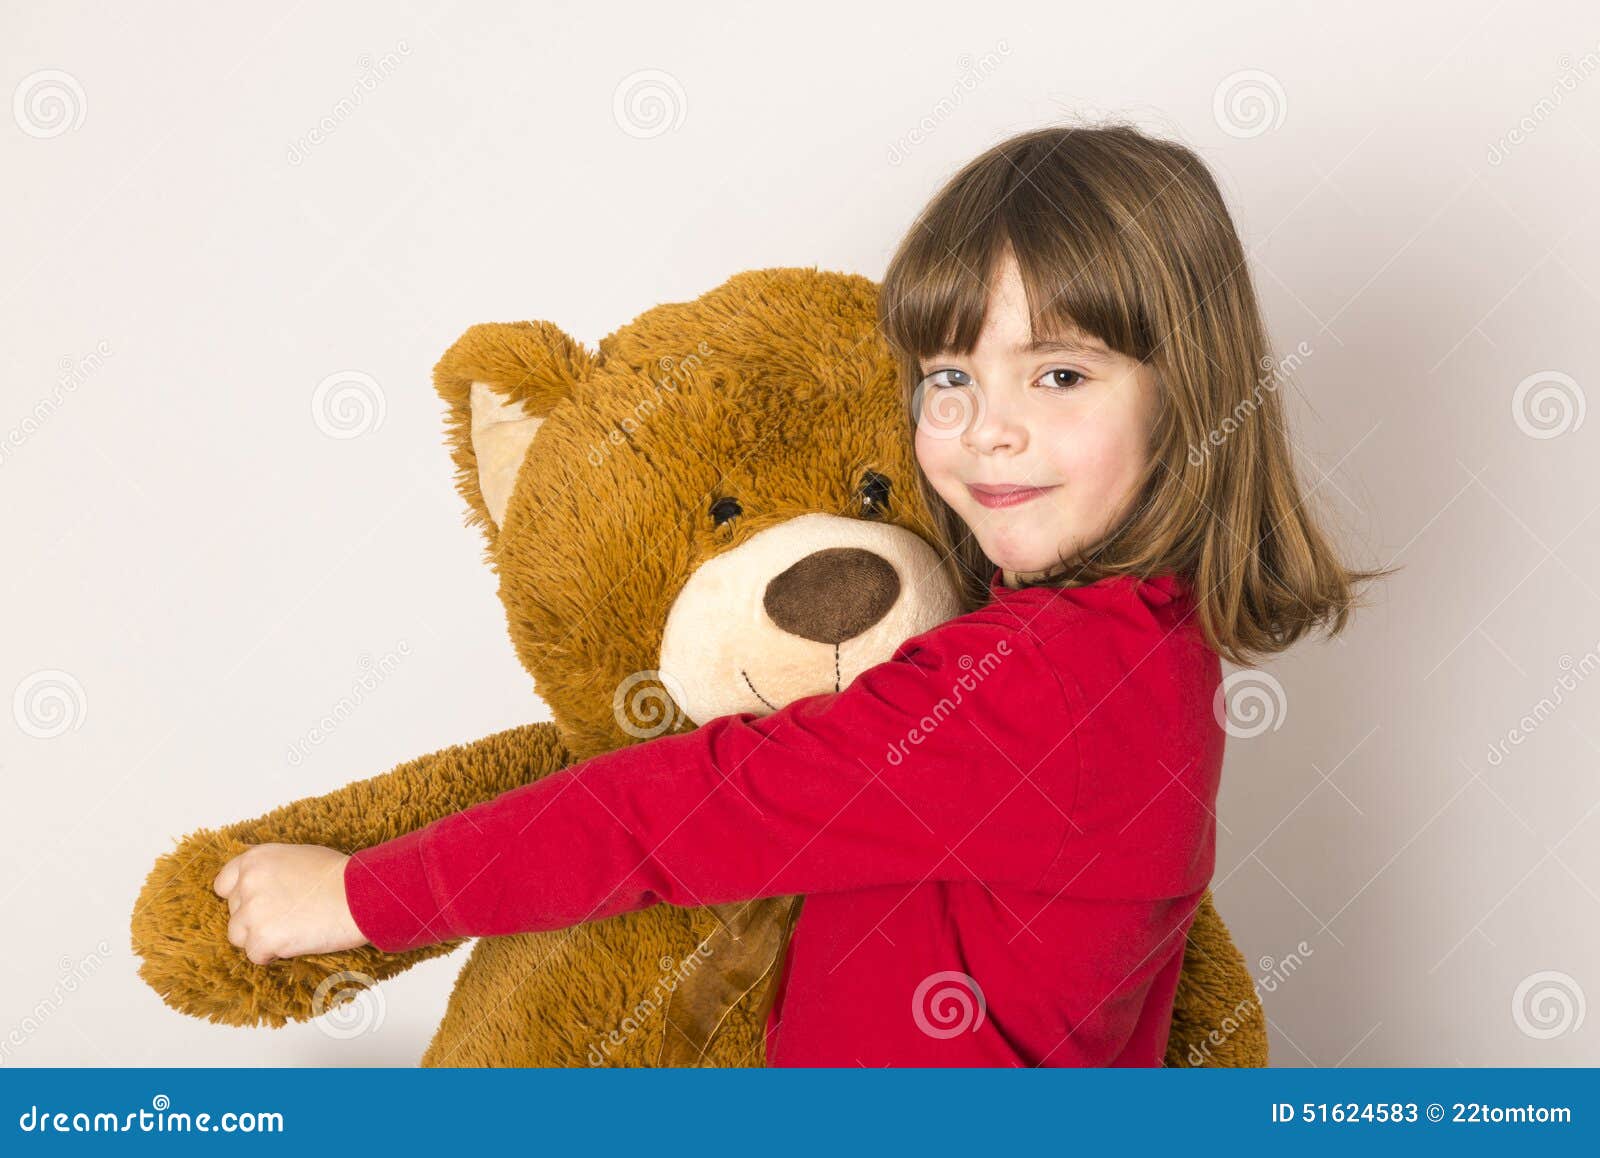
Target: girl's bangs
<point>936,296</point>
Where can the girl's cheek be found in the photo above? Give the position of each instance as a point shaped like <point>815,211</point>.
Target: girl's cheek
<point>1106,452</point>
<point>1076,451</point>
<point>933,454</point>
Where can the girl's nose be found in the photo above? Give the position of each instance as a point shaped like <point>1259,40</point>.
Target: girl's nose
<point>996,424</point>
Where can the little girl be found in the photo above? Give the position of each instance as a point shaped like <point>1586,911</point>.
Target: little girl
<point>1016,811</point>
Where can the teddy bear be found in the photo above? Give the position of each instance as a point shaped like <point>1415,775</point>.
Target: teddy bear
<point>641,503</point>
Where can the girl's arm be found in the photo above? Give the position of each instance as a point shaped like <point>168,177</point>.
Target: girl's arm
<point>932,765</point>
<point>954,760</point>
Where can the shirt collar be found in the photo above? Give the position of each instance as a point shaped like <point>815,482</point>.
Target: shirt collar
<point>1157,590</point>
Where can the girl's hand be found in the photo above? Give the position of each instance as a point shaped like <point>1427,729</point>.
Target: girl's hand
<point>287,900</point>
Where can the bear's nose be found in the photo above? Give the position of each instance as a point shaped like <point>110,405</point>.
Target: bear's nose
<point>832,595</point>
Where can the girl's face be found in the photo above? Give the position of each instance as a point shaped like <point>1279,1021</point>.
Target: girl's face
<point>1038,448</point>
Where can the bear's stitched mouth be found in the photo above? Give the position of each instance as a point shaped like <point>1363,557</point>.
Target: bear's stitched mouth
<point>749,683</point>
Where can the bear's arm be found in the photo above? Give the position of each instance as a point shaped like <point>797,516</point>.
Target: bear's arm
<point>180,926</point>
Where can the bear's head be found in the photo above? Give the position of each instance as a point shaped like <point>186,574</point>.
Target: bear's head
<point>713,512</point>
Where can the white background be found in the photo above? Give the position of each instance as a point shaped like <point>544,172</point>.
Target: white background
<point>212,570</point>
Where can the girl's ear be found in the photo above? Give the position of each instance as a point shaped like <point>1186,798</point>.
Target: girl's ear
<point>501,380</point>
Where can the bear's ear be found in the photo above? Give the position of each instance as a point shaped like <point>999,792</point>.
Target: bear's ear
<point>501,380</point>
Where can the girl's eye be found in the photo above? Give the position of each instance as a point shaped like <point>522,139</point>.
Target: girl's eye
<point>1062,378</point>
<point>947,378</point>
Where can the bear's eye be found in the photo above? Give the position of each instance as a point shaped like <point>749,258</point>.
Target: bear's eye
<point>874,493</point>
<point>724,509</point>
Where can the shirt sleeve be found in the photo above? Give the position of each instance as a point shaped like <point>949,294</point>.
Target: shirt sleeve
<point>945,762</point>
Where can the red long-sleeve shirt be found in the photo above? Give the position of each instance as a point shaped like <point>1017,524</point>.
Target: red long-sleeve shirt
<point>1002,833</point>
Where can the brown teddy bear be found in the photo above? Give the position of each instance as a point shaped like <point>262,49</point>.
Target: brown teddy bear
<point>640,503</point>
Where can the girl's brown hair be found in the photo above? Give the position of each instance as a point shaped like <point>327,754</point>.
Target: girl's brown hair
<point>1126,238</point>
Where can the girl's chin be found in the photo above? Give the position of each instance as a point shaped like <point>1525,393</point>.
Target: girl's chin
<point>1023,564</point>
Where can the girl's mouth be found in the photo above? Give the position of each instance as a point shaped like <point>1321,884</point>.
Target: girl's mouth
<point>1005,495</point>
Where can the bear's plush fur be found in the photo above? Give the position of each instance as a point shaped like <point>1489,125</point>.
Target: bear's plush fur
<point>637,500</point>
